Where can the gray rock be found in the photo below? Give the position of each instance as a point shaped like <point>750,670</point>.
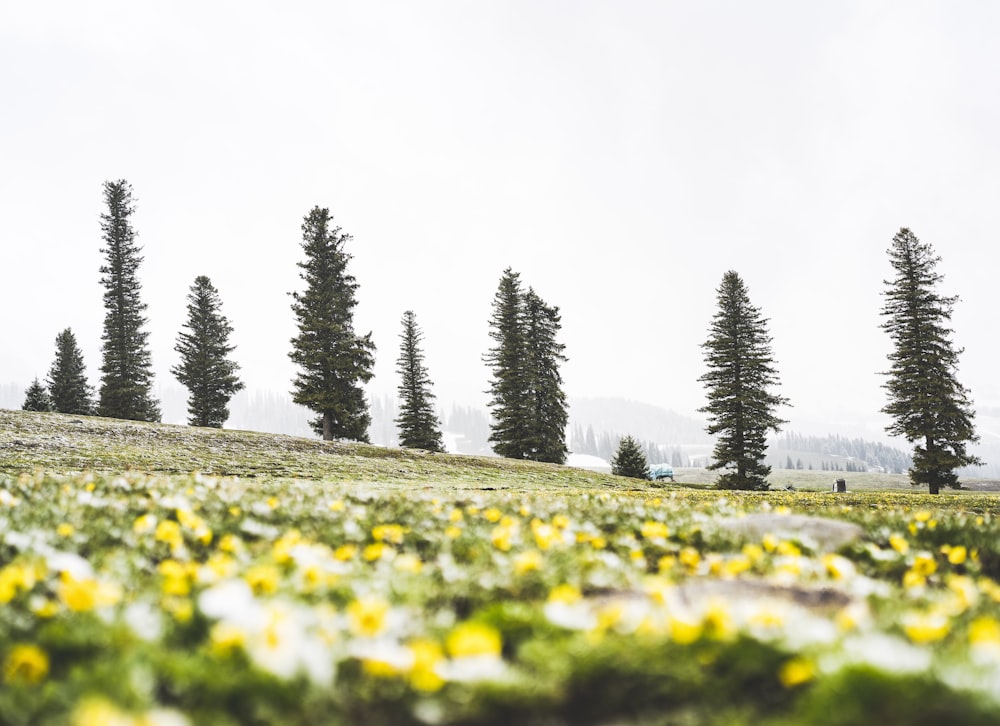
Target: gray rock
<point>819,533</point>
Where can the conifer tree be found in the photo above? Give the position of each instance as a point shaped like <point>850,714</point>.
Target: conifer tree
<point>548,412</point>
<point>740,372</point>
<point>67,379</point>
<point>36,398</point>
<point>335,361</point>
<point>510,402</point>
<point>126,370</point>
<point>205,368</point>
<point>529,406</point>
<point>927,403</point>
<point>629,460</point>
<point>419,427</point>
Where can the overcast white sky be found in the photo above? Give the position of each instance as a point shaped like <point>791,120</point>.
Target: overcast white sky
<point>620,155</point>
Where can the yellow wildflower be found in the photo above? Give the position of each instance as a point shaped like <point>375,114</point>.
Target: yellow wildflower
<point>474,639</point>
<point>685,628</point>
<point>225,638</point>
<point>984,630</point>
<point>500,537</point>
<point>796,671</point>
<point>770,542</point>
<point>65,529</point>
<point>426,655</point>
<point>368,615</point>
<point>455,515</point>
<point>565,593</point>
<point>263,579</point>
<point>735,566</point>
<point>654,530</point>
<point>231,544</point>
<point>337,506</point>
<point>391,533</point>
<point>375,551</point>
<point>689,557</point>
<point>789,549</point>
<point>25,663</point>
<point>345,552</point>
<point>453,532</point>
<point>924,564</point>
<point>666,563</point>
<point>169,531</point>
<point>527,561</point>
<point>956,555</point>
<point>899,543</point>
<point>925,627</point>
<point>492,515</point>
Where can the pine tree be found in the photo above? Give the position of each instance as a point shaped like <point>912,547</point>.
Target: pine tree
<point>548,408</point>
<point>419,426</point>
<point>926,401</point>
<point>36,398</point>
<point>335,362</point>
<point>509,388</point>
<point>205,368</point>
<point>740,372</point>
<point>126,371</point>
<point>629,460</point>
<point>67,379</point>
<point>529,407</point>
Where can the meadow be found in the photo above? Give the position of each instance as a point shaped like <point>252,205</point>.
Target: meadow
<point>169,575</point>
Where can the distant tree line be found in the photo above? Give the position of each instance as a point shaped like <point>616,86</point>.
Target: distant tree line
<point>870,454</point>
<point>606,443</point>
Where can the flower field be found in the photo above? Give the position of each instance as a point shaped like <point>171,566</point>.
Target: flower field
<point>192,599</point>
<point>176,599</point>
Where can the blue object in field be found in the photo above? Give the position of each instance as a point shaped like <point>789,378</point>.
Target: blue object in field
<point>661,471</point>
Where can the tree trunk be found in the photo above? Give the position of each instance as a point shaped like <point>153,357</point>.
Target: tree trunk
<point>327,426</point>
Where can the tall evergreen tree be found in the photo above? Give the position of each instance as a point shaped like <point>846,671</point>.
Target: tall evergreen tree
<point>549,412</point>
<point>509,388</point>
<point>36,398</point>
<point>67,379</point>
<point>629,460</point>
<point>205,368</point>
<point>926,401</point>
<point>334,360</point>
<point>126,371</point>
<point>419,427</point>
<point>740,372</point>
<point>529,406</point>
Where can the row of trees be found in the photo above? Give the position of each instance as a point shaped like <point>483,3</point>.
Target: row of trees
<point>334,361</point>
<point>126,368</point>
<point>928,406</point>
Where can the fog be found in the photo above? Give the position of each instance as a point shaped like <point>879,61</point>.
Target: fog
<point>621,156</point>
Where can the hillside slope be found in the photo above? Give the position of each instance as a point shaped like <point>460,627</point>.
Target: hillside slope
<point>57,442</point>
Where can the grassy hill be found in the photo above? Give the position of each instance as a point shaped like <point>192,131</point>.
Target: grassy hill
<point>62,443</point>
